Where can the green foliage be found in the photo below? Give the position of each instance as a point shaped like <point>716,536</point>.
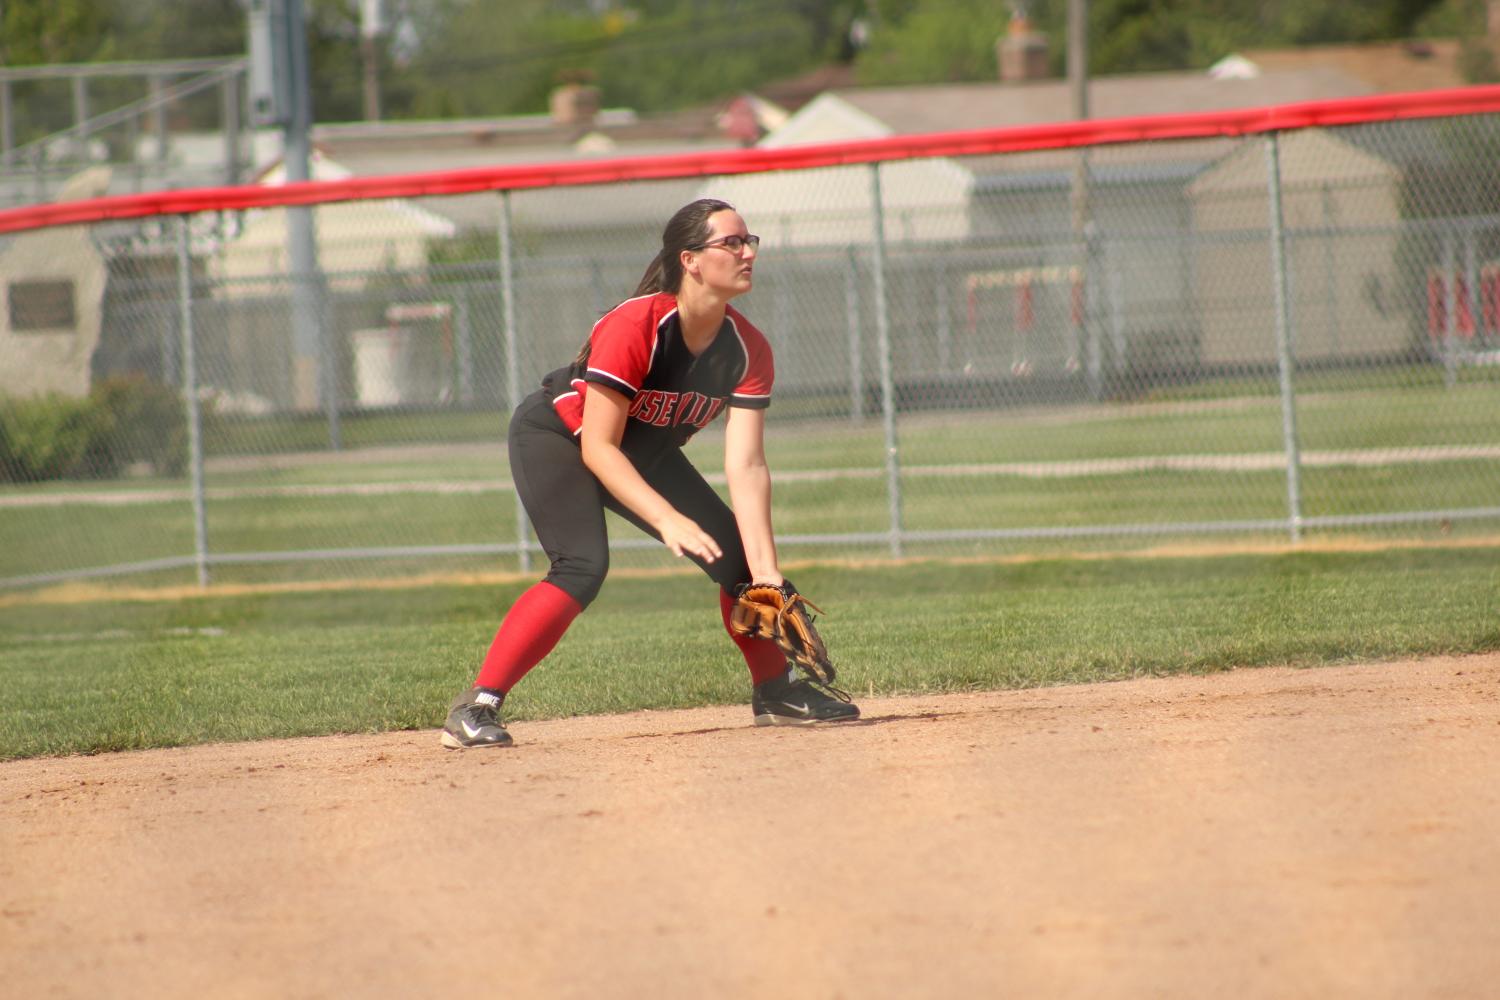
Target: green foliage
<point>50,437</point>
<point>1450,19</point>
<point>201,29</point>
<point>505,56</point>
<point>936,41</point>
<point>502,57</point>
<point>123,420</point>
<point>43,32</point>
<point>149,425</point>
<point>1476,62</point>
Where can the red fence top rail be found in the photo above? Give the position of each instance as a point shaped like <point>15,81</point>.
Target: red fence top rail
<point>1205,125</point>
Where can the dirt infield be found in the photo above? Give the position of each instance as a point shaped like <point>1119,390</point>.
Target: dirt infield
<point>1262,833</point>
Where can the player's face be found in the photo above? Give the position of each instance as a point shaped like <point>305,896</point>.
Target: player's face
<point>726,261</point>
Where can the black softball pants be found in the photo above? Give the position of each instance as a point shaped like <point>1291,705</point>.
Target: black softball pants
<point>566,504</point>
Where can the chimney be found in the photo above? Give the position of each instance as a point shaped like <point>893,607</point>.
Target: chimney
<point>1021,51</point>
<point>574,104</point>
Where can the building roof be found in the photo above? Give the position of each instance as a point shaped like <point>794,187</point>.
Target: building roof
<point>393,147</point>
<point>1385,67</point>
<point>953,107</point>
<point>868,112</point>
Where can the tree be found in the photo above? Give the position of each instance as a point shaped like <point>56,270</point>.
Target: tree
<point>156,29</point>
<point>933,41</point>
<point>45,32</point>
<point>930,40</point>
<point>490,57</point>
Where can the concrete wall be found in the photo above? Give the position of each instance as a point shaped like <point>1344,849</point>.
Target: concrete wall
<point>55,359</point>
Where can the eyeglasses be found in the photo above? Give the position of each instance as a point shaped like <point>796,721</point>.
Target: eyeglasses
<point>734,244</point>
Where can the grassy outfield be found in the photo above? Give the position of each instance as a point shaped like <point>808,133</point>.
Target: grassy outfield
<point>119,674</point>
<point>46,538</point>
<point>246,515</point>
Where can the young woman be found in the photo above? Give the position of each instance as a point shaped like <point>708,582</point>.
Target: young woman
<point>608,431</point>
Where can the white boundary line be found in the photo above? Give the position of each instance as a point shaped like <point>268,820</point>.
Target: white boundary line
<point>1246,462</point>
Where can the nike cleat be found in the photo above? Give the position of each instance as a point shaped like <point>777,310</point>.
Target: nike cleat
<point>474,721</point>
<point>786,702</point>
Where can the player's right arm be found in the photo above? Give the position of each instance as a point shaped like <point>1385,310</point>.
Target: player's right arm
<point>604,414</point>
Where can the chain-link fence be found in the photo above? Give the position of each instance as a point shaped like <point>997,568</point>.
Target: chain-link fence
<point>1285,336</point>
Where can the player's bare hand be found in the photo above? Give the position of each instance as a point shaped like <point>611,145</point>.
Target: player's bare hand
<point>683,536</point>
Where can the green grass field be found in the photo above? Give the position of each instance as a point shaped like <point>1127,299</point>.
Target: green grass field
<point>245,515</point>
<point>113,674</point>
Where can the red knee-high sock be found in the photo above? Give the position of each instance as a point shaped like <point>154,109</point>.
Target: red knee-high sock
<point>531,628</point>
<point>762,656</point>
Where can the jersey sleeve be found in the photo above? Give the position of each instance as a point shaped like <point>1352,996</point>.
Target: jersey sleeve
<point>754,388</point>
<point>620,347</point>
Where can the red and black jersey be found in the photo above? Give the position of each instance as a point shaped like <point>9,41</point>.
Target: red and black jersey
<point>637,350</point>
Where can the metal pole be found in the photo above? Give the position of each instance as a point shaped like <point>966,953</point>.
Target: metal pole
<point>1078,57</point>
<point>133,133</point>
<point>856,361</point>
<point>465,348</point>
<point>1450,307</point>
<point>190,397</point>
<point>159,119</point>
<point>230,94</point>
<point>1284,341</point>
<point>944,316</point>
<point>1330,273</point>
<point>1081,200</point>
<point>368,54</point>
<point>1471,284</point>
<point>887,383</point>
<point>311,346</point>
<point>7,124</point>
<point>786,327</point>
<point>512,357</point>
<point>1112,289</point>
<point>81,113</point>
<point>328,356</point>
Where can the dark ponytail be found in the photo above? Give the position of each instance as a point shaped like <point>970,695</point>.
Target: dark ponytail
<point>655,278</point>
<point>687,229</point>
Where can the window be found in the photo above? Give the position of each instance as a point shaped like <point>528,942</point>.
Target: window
<point>41,305</point>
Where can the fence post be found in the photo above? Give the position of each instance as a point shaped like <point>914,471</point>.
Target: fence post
<point>8,125</point>
<point>856,361</point>
<point>190,396</point>
<point>944,317</point>
<point>1284,341</point>
<point>465,334</point>
<point>1450,306</point>
<point>512,356</point>
<point>1471,287</point>
<point>1091,281</point>
<point>887,383</point>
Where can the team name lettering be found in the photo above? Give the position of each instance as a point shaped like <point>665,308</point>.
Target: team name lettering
<point>671,409</point>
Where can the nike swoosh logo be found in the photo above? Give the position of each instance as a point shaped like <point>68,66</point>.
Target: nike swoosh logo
<point>798,708</point>
<point>470,730</point>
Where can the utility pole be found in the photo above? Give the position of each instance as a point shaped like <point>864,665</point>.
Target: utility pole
<point>371,27</point>
<point>1086,276</point>
<point>1078,89</point>
<point>281,96</point>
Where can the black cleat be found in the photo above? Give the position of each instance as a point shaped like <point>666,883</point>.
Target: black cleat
<point>783,701</point>
<point>474,721</point>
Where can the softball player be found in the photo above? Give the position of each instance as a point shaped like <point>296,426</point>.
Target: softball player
<point>608,431</point>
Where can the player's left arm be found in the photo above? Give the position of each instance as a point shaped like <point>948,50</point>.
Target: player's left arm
<point>750,490</point>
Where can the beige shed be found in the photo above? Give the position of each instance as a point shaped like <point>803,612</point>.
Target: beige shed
<point>51,290</point>
<point>1341,213</point>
